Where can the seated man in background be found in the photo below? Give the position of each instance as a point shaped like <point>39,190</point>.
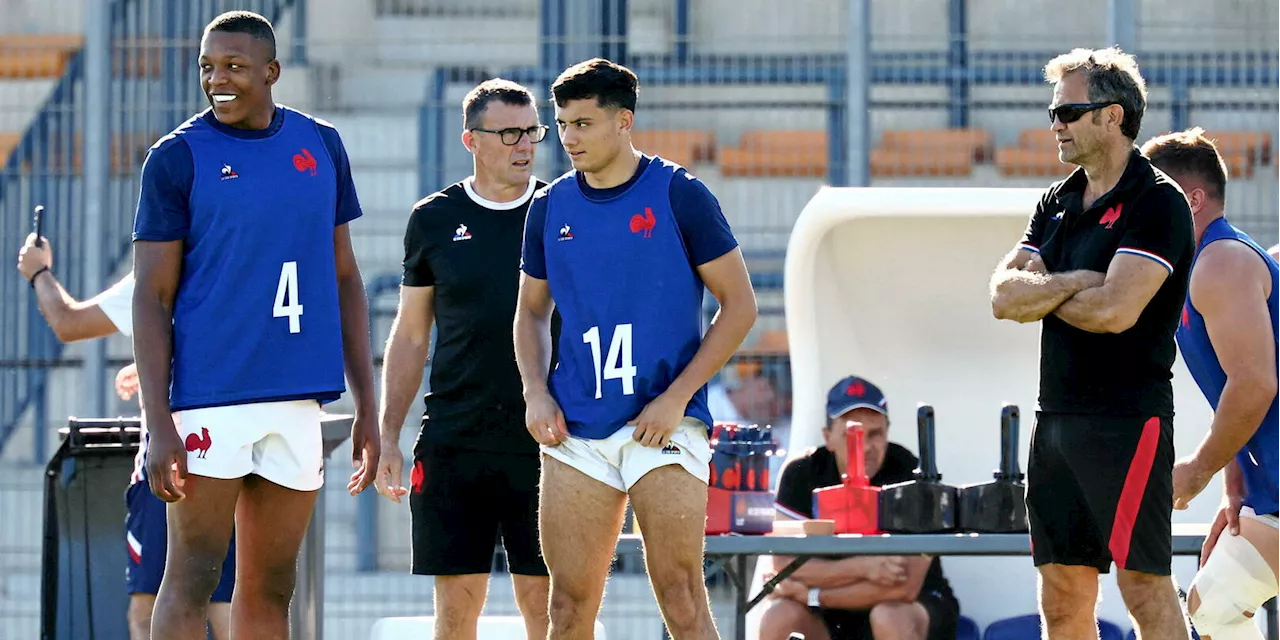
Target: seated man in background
<point>861,597</point>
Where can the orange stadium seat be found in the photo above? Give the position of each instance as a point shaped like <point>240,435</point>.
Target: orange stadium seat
<point>8,142</point>
<point>137,57</point>
<point>37,55</point>
<point>681,146</point>
<point>1036,154</point>
<point>126,153</point>
<point>764,153</point>
<point>930,152</point>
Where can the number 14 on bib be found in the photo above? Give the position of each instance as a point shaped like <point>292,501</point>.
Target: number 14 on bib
<point>618,364</point>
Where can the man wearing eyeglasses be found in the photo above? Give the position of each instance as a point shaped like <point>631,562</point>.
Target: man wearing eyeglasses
<point>475,469</point>
<point>1104,264</point>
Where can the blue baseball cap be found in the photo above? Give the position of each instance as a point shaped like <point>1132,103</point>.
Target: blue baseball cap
<point>854,392</point>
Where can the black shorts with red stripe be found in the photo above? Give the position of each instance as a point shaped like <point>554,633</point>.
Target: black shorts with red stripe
<point>1100,490</point>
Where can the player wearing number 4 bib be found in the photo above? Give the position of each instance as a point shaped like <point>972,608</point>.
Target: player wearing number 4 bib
<point>248,302</point>
<point>622,246</point>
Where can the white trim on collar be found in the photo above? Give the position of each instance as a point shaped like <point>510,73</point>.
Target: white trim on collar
<point>499,206</point>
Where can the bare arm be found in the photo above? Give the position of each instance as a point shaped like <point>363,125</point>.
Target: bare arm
<point>1230,288</point>
<point>727,279</point>
<point>1114,306</point>
<point>405,357</point>
<point>354,307</point>
<point>828,573</point>
<point>865,595</point>
<point>157,267</point>
<point>70,319</point>
<point>1023,295</point>
<point>533,334</point>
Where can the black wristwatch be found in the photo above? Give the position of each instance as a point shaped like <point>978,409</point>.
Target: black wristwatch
<point>37,275</point>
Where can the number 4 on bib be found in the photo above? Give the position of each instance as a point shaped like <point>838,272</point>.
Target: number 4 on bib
<point>617,365</point>
<point>288,288</point>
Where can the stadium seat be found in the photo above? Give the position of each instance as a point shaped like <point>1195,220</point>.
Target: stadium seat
<point>682,146</point>
<point>490,628</point>
<point>967,629</point>
<point>37,55</point>
<point>930,152</point>
<point>1036,154</point>
<point>764,153</point>
<point>1028,628</point>
<point>137,57</point>
<point>8,142</point>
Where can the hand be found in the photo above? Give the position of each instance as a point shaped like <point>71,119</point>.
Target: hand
<point>659,420</point>
<point>544,420</point>
<point>127,381</point>
<point>389,482</point>
<point>886,571</point>
<point>1228,518</point>
<point>166,459</point>
<point>1189,479</point>
<point>1036,265</point>
<point>32,258</point>
<point>366,448</point>
<point>1226,521</point>
<point>789,589</point>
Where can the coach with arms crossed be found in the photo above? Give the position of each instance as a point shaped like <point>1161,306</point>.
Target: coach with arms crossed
<point>1104,264</point>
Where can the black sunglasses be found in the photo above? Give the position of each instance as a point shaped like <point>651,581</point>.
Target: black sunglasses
<point>1068,113</point>
<point>511,136</point>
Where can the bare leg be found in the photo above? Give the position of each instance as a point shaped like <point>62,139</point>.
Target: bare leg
<point>140,607</point>
<point>199,533</point>
<point>532,594</point>
<point>1153,603</point>
<point>579,519</point>
<point>1068,600</point>
<point>459,601</point>
<point>899,621</point>
<point>270,524</point>
<point>784,617</point>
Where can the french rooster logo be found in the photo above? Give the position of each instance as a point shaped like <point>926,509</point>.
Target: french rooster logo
<point>200,443</point>
<point>644,223</point>
<point>1112,215</point>
<point>304,161</point>
<point>417,477</point>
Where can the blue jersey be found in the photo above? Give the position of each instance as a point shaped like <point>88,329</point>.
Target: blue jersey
<point>256,314</point>
<point>1258,458</point>
<point>620,264</point>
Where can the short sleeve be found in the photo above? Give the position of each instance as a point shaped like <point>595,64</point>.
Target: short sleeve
<point>417,263</point>
<point>705,230</point>
<point>1034,235</point>
<point>533,257</point>
<point>1160,228</point>
<point>164,212</point>
<point>795,493</point>
<point>348,208</point>
<point>117,303</point>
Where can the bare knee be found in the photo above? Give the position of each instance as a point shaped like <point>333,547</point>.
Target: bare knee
<point>784,616</point>
<point>270,583</point>
<point>681,595</point>
<point>531,597</point>
<point>1067,593</point>
<point>572,602</point>
<point>1145,592</point>
<point>899,620</point>
<point>460,599</point>
<point>195,574</point>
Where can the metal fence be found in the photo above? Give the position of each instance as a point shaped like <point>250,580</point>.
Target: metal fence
<point>765,102</point>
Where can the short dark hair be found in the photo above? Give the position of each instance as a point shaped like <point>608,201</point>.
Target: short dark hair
<point>1189,153</point>
<point>246,22</point>
<point>1112,76</point>
<point>612,85</point>
<point>499,89</point>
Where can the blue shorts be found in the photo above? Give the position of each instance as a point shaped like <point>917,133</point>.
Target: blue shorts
<point>147,538</point>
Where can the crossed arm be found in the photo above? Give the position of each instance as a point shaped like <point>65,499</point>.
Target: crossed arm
<point>1087,300</point>
<point>861,582</point>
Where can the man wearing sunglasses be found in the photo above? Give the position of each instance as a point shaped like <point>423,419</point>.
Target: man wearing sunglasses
<point>475,469</point>
<point>1104,264</point>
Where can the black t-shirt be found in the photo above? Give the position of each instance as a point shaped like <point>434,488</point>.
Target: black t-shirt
<point>817,469</point>
<point>468,248</point>
<point>1128,373</point>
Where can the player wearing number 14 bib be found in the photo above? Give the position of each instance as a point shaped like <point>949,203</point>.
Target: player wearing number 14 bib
<point>247,306</point>
<point>622,246</point>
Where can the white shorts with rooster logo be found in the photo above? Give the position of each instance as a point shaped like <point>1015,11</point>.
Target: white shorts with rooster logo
<point>279,441</point>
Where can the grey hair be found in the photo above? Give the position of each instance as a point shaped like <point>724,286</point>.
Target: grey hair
<point>1112,76</point>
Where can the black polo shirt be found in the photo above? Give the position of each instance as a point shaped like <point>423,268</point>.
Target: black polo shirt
<point>817,469</point>
<point>1129,373</point>
<point>468,248</point>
